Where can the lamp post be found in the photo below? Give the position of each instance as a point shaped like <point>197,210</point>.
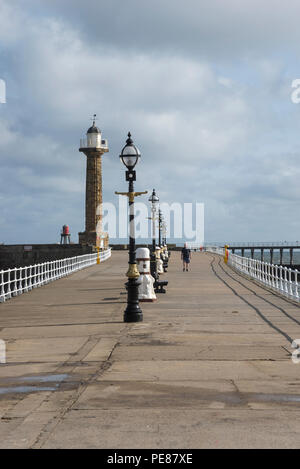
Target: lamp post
<point>153,199</point>
<point>164,230</point>
<point>159,286</point>
<point>164,243</point>
<point>129,156</point>
<point>160,219</point>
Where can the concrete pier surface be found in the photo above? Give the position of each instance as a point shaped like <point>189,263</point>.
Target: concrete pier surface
<point>210,366</point>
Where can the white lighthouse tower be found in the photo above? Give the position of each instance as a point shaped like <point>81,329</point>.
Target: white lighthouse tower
<point>93,146</point>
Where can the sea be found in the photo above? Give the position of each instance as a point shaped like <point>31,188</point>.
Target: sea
<point>276,256</point>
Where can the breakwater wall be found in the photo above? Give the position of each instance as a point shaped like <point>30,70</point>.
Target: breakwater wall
<point>21,255</point>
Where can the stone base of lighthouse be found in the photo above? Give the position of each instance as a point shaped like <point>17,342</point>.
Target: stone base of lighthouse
<point>92,238</point>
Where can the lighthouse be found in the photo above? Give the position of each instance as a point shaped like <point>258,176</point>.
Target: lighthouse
<point>93,146</point>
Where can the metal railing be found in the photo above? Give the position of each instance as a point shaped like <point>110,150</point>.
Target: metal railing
<point>215,250</point>
<point>196,246</point>
<point>14,282</point>
<point>283,280</point>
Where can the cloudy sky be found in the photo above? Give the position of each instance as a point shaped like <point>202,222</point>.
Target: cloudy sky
<point>204,87</point>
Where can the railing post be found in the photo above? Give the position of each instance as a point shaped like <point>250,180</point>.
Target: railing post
<point>285,280</point>
<point>265,272</point>
<point>47,272</point>
<point>41,274</point>
<point>32,273</point>
<point>44,272</point>
<point>296,284</point>
<point>269,274</point>
<point>30,278</point>
<point>15,286</point>
<point>281,278</point>
<point>290,282</point>
<point>25,280</point>
<point>272,276</point>
<point>8,290</point>
<point>2,293</point>
<point>276,277</point>
<point>38,278</point>
<point>20,288</point>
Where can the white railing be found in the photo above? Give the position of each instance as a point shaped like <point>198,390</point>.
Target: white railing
<point>195,246</point>
<point>282,279</point>
<point>215,250</point>
<point>14,282</point>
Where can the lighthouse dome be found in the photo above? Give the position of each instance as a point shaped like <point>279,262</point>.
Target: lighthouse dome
<point>94,130</point>
<point>94,136</point>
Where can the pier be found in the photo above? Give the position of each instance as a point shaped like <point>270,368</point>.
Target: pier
<point>262,247</point>
<point>209,367</point>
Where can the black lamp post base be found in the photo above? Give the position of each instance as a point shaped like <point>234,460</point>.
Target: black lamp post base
<point>133,312</point>
<point>133,317</point>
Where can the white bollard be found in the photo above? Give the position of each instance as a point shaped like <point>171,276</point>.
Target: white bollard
<point>159,262</point>
<point>146,290</point>
<point>166,252</point>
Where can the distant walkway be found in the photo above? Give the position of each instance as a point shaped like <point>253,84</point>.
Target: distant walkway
<point>209,367</point>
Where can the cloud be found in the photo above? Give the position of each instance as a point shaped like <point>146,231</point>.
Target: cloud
<point>210,29</point>
<point>205,94</point>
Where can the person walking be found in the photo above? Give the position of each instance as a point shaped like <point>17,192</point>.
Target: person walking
<point>186,257</point>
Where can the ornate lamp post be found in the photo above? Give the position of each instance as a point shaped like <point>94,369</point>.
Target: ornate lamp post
<point>159,286</point>
<point>160,220</point>
<point>164,231</point>
<point>154,200</point>
<point>129,156</point>
<point>164,243</point>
